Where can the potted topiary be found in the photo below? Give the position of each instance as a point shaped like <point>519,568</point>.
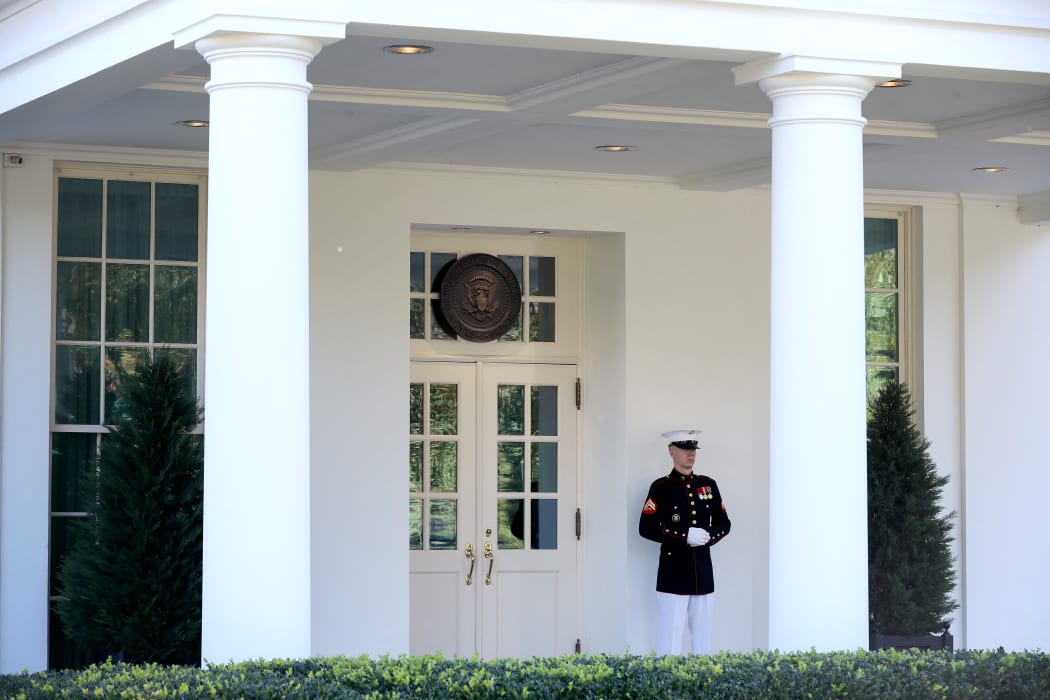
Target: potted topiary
<point>130,585</point>
<point>910,574</point>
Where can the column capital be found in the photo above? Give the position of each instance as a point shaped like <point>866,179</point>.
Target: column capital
<point>801,64</point>
<point>326,31</point>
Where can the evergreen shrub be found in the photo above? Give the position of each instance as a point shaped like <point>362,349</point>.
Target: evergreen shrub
<point>131,582</point>
<point>910,574</point>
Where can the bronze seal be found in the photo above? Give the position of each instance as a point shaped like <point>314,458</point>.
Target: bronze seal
<point>480,298</point>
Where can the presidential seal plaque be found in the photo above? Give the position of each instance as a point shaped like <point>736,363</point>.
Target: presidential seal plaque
<point>480,298</point>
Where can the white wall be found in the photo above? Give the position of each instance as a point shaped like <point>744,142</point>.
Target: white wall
<point>25,419</point>
<point>698,356</point>
<point>938,394</point>
<point>607,517</point>
<point>677,333</point>
<point>1006,382</point>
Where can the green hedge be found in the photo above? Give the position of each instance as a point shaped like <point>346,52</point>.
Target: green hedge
<point>767,675</point>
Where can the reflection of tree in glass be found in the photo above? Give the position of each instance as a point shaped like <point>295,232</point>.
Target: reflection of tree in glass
<point>79,288</point>
<point>510,409</point>
<point>443,524</point>
<point>415,466</point>
<point>444,409</point>
<point>76,384</point>
<point>175,318</point>
<point>881,326</point>
<point>415,523</point>
<point>416,320</point>
<point>127,302</point>
<point>510,464</point>
<point>415,409</point>
<point>443,466</point>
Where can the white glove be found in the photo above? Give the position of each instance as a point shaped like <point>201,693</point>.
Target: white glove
<point>698,536</point>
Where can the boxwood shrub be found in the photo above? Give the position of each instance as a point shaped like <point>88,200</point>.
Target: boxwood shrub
<point>977,675</point>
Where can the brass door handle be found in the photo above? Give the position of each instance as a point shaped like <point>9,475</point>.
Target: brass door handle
<point>488,555</point>
<point>469,554</point>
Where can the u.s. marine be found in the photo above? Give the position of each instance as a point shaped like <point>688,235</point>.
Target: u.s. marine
<point>684,512</point>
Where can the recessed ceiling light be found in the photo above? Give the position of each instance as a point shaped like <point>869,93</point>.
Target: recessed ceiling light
<point>194,123</point>
<point>896,82</point>
<point>539,232</point>
<point>991,169</point>
<point>408,49</point>
<point>612,148</point>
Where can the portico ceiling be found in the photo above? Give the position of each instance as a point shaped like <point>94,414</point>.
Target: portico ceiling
<point>508,106</point>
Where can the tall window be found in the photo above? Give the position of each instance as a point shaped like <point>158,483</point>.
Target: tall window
<point>885,304</point>
<point>127,280</point>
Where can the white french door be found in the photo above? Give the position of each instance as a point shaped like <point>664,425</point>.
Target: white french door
<point>492,508</point>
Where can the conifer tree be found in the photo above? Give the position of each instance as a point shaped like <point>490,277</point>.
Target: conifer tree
<point>910,574</point>
<point>131,582</point>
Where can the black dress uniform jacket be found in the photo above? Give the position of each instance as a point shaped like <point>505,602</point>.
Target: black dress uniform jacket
<point>676,503</point>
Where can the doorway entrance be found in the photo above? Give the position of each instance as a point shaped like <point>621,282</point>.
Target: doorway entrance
<point>492,509</point>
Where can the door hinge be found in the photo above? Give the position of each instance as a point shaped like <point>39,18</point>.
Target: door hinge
<point>579,393</point>
<point>579,524</point>
<point>577,646</point>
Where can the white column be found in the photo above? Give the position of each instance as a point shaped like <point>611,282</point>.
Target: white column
<point>257,412</point>
<point>818,588</point>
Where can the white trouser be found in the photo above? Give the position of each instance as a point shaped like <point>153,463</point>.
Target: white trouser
<point>674,611</point>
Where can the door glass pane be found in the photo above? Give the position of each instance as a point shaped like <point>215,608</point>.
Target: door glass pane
<point>415,466</point>
<point>444,409</point>
<point>79,217</point>
<point>415,409</point>
<point>511,532</point>
<point>416,272</point>
<point>72,456</point>
<point>544,523</point>
<point>877,377</point>
<point>880,320</point>
<point>439,264</point>
<point>120,368</point>
<point>541,276</point>
<point>443,466</point>
<point>510,409</point>
<point>415,523</point>
<point>544,467</point>
<point>78,304</point>
<point>437,331</point>
<point>541,322</point>
<point>175,313</point>
<point>510,460</point>
<point>127,220</point>
<point>127,303</point>
<point>416,318</point>
<point>514,262</point>
<point>514,332</point>
<point>880,253</point>
<point>544,413</point>
<point>77,384</point>
<point>443,524</point>
<point>177,212</point>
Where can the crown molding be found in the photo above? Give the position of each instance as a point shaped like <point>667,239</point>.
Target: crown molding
<point>111,155</point>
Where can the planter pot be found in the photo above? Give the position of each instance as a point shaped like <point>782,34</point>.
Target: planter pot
<point>934,642</point>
